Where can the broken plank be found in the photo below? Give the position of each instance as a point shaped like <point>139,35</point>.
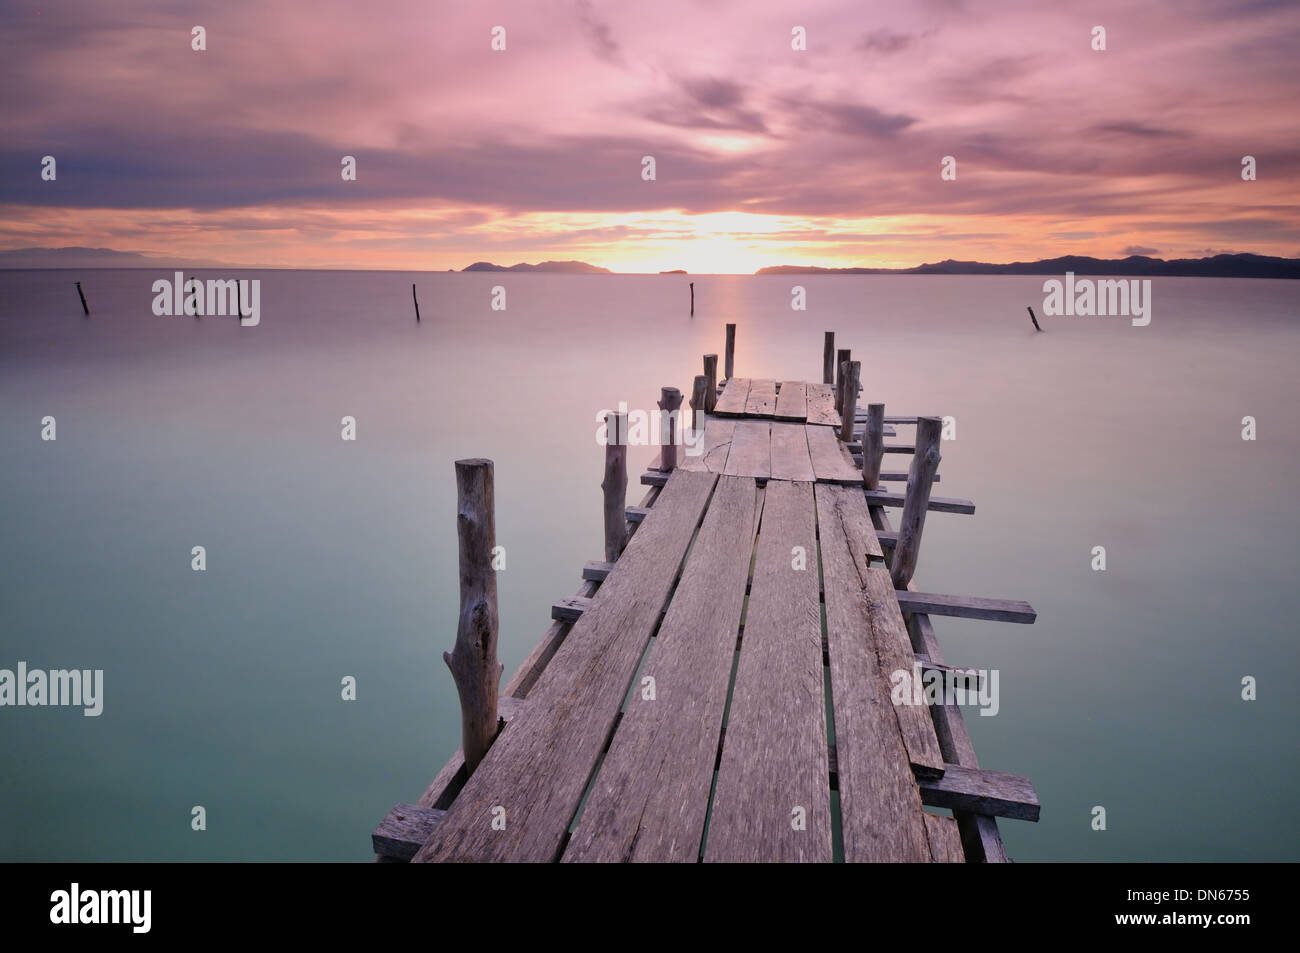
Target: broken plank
<point>968,607</point>
<point>774,766</point>
<point>983,792</point>
<point>821,405</point>
<point>536,771</point>
<point>650,798</point>
<point>790,458</point>
<point>830,461</point>
<point>761,400</point>
<point>732,401</point>
<point>945,839</point>
<point>751,450</point>
<point>792,401</point>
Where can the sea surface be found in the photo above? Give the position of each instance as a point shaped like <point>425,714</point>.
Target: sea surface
<point>328,558</point>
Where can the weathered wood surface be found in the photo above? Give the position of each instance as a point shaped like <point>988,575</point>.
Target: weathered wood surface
<point>729,355</point>
<point>920,479</point>
<point>404,830</point>
<point>732,401</point>
<point>985,792</point>
<point>880,801</point>
<point>792,401</point>
<point>945,839</point>
<point>968,607</point>
<point>821,405</point>
<point>790,458</point>
<point>828,358</point>
<point>830,461</point>
<point>774,768</point>
<point>873,446</point>
<point>751,450</point>
<point>711,372</point>
<point>650,798</point>
<point>537,770</point>
<point>614,485</point>
<point>940,504</point>
<point>761,400</point>
<point>849,400</point>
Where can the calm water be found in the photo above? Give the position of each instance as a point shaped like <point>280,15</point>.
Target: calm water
<point>328,559</point>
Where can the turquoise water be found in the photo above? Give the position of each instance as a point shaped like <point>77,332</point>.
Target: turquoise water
<point>329,558</point>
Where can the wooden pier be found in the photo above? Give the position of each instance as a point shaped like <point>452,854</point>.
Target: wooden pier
<point>721,686</point>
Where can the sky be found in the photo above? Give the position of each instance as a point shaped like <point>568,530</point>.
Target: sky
<point>763,154</point>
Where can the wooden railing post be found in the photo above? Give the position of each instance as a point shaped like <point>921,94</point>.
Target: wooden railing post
<point>729,362</point>
<point>842,357</point>
<point>873,446</point>
<point>615,484</point>
<point>711,372</point>
<point>697,400</point>
<point>473,660</point>
<point>925,463</point>
<point>670,403</point>
<point>850,410</point>
<point>828,359</point>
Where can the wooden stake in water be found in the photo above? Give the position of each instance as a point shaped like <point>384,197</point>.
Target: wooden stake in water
<point>670,403</point>
<point>81,294</point>
<point>828,359</point>
<point>417,303</point>
<point>697,400</point>
<point>873,446</point>
<point>925,463</point>
<point>473,661</point>
<point>615,484</point>
<point>842,357</point>
<point>711,372</point>
<point>692,299</point>
<point>1034,319</point>
<point>849,413</point>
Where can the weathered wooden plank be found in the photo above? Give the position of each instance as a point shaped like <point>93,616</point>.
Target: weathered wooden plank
<point>761,400</point>
<point>792,401</point>
<point>570,608</point>
<point>821,405</point>
<point>404,830</point>
<point>535,773</point>
<point>714,449</point>
<point>636,514</point>
<point>790,458</point>
<point>968,607</point>
<point>751,450</point>
<point>732,401</point>
<point>984,792</point>
<point>941,504</point>
<point>880,802</point>
<point>844,505</point>
<point>774,770</point>
<point>654,478</point>
<point>830,461</point>
<point>945,839</point>
<point>596,571</point>
<point>650,798</point>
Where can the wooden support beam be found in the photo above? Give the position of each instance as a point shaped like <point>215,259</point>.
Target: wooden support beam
<point>86,308</point>
<point>670,404</point>
<point>698,400</point>
<point>982,792</point>
<point>853,371</point>
<point>940,504</point>
<point>968,607</point>
<point>917,502</point>
<point>570,608</point>
<point>614,486</point>
<point>596,571</point>
<point>654,478</point>
<point>828,359</point>
<point>711,390</point>
<point>473,660</point>
<point>636,514</point>
<point>729,360</point>
<point>413,298</point>
<point>842,357</point>
<point>404,830</point>
<point>874,446</point>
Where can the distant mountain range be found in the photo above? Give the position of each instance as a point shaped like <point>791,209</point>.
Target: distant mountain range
<point>1219,266</point>
<point>83,257</point>
<point>560,267</point>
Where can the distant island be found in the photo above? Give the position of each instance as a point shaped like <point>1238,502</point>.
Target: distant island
<point>675,271</point>
<point>560,267</point>
<point>1219,266</point>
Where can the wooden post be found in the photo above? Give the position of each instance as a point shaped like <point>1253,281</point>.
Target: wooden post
<point>473,661</point>
<point>711,391</point>
<point>853,369</point>
<point>729,362</point>
<point>417,303</point>
<point>828,359</point>
<point>1034,319</point>
<point>82,295</point>
<point>615,484</point>
<point>670,403</point>
<point>873,446</point>
<point>692,299</point>
<point>925,463</point>
<point>697,399</point>
<point>841,358</point>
